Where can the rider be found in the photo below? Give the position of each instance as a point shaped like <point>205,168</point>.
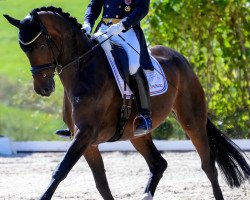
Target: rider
<point>121,19</point>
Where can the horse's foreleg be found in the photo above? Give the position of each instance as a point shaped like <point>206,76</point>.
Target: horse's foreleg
<point>75,151</point>
<point>157,164</point>
<point>94,159</point>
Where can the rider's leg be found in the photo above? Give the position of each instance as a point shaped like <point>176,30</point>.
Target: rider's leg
<point>139,84</point>
<point>100,36</point>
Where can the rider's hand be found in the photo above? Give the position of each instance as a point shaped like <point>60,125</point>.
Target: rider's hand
<point>115,29</point>
<point>86,28</point>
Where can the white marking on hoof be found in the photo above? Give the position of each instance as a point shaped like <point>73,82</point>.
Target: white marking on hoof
<point>147,196</point>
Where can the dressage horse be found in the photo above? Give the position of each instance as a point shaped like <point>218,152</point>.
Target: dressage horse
<point>92,103</point>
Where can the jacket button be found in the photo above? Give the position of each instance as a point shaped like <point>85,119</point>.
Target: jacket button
<point>127,8</point>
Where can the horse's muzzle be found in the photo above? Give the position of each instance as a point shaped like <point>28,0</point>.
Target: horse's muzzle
<point>45,90</point>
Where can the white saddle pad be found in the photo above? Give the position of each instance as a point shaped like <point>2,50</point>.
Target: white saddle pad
<point>156,79</point>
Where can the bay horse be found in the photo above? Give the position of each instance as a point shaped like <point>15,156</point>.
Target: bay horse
<point>92,104</point>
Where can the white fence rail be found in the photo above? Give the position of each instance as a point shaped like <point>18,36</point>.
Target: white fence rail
<point>7,147</point>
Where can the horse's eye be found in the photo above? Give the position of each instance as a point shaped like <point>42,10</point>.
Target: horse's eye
<point>41,74</point>
<point>42,46</point>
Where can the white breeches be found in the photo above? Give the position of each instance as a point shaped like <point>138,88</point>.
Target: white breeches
<point>130,38</point>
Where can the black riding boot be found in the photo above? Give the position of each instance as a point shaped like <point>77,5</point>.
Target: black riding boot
<point>139,85</point>
<point>64,133</point>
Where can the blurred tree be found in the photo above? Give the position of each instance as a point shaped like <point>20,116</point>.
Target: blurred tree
<point>215,36</point>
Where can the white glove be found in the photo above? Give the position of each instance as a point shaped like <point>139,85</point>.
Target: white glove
<point>115,29</point>
<point>100,37</point>
<point>86,28</point>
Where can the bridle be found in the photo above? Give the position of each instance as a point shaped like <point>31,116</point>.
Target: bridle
<point>54,64</point>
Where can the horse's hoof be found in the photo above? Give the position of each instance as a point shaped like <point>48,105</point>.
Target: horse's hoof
<point>147,196</point>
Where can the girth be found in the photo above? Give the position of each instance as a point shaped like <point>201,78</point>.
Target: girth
<point>123,119</point>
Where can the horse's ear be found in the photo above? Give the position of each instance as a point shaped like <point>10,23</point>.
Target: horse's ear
<point>14,22</point>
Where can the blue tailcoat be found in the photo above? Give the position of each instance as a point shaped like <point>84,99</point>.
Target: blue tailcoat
<point>131,12</point>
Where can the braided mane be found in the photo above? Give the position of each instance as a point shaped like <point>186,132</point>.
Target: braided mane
<point>72,20</point>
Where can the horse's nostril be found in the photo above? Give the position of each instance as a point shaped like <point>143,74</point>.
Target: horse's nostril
<point>46,90</point>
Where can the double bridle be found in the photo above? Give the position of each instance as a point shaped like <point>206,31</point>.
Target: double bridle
<point>54,64</point>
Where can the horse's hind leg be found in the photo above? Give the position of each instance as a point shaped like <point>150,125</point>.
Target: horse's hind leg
<point>200,141</point>
<point>94,159</point>
<point>190,111</point>
<point>157,164</point>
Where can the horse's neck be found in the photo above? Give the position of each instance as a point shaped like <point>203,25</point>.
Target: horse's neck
<point>87,78</point>
<point>74,47</point>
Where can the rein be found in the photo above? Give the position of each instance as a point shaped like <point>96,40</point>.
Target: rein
<point>86,54</point>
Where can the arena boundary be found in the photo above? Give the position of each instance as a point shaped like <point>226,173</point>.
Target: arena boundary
<point>8,147</point>
<point>162,145</point>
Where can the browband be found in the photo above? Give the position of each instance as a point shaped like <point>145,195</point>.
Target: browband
<point>30,42</point>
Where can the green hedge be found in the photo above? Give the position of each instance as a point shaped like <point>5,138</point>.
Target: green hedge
<point>22,124</point>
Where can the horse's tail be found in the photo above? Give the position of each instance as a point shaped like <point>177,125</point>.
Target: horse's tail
<point>231,160</point>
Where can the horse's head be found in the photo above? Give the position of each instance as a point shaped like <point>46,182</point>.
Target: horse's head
<point>45,37</point>
<point>41,50</point>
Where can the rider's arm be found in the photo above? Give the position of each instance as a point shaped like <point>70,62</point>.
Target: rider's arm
<point>140,11</point>
<point>93,11</point>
